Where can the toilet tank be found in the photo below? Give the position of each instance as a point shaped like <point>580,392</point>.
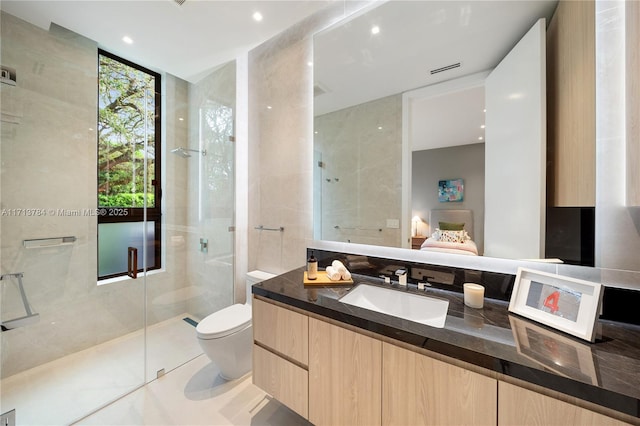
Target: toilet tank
<point>254,277</point>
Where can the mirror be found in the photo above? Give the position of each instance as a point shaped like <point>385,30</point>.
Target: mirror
<point>363,189</point>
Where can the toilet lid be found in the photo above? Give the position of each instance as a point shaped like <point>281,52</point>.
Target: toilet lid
<point>224,322</point>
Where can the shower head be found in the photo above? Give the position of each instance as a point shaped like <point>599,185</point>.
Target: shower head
<point>184,152</point>
<point>181,152</point>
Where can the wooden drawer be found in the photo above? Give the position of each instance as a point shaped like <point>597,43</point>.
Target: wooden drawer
<point>419,390</point>
<point>416,242</point>
<point>281,379</point>
<point>522,407</point>
<point>282,330</point>
<point>345,376</point>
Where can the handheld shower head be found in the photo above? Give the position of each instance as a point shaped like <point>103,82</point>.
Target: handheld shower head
<point>181,152</point>
<point>184,152</point>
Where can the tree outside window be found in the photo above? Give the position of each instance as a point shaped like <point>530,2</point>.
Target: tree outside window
<point>128,162</point>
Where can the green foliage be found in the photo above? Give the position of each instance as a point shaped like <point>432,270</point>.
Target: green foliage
<point>124,200</point>
<point>125,95</point>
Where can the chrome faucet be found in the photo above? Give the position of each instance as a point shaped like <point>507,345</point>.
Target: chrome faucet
<point>402,276</point>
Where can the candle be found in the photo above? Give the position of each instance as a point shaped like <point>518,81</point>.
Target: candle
<point>473,295</point>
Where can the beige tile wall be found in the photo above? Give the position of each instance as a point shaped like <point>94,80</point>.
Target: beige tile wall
<point>281,142</point>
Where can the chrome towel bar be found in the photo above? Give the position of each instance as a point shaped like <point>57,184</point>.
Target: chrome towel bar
<point>262,228</point>
<point>48,242</point>
<point>357,228</point>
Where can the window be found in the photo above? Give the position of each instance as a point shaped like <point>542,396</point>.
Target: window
<point>128,165</point>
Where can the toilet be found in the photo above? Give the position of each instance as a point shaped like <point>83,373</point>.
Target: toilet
<point>226,336</point>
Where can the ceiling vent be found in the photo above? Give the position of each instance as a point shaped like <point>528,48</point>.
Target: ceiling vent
<point>447,68</point>
<point>179,2</point>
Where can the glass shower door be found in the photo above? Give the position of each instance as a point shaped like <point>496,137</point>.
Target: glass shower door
<point>70,342</point>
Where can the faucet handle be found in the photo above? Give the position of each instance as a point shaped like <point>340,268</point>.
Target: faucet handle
<point>387,280</point>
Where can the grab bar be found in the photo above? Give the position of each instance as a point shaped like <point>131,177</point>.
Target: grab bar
<point>48,242</point>
<point>262,228</point>
<point>27,319</point>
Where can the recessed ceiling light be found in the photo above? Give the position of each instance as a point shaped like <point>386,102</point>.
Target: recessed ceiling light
<point>379,127</point>
<point>257,16</point>
<point>127,39</point>
<point>480,138</point>
<point>484,110</point>
<point>268,106</point>
<point>375,29</point>
<point>180,118</point>
<point>482,126</point>
<point>310,63</point>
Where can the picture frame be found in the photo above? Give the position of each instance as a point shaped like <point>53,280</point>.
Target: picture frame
<point>567,304</point>
<point>553,351</point>
<point>450,190</point>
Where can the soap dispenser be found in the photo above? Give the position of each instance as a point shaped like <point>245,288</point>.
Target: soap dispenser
<point>312,267</point>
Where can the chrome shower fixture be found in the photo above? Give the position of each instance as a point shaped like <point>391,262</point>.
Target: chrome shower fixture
<point>184,152</point>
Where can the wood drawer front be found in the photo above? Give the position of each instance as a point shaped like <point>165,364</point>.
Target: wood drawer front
<point>345,377</point>
<point>281,379</point>
<point>523,407</point>
<point>284,331</point>
<point>418,390</point>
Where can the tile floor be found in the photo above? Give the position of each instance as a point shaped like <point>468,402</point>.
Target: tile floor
<point>65,390</point>
<point>194,394</point>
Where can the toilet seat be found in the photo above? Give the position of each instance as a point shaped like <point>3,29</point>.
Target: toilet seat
<point>225,322</point>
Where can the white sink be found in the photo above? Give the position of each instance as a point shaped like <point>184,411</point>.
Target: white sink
<point>413,307</point>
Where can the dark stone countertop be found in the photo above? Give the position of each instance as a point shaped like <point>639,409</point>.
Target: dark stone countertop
<point>606,372</point>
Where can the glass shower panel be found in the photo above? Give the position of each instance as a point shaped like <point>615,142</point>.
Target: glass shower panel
<point>217,194</point>
<point>83,345</point>
<point>198,268</point>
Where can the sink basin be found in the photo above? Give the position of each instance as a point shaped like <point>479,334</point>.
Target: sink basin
<point>413,307</point>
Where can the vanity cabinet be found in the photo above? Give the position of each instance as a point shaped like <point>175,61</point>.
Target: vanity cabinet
<point>344,376</point>
<point>419,390</point>
<point>281,355</point>
<point>332,375</point>
<point>523,407</point>
<point>571,105</point>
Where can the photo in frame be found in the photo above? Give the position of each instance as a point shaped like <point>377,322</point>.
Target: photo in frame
<point>567,304</point>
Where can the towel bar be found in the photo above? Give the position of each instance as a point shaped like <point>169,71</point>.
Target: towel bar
<point>262,228</point>
<point>48,242</point>
<point>358,228</point>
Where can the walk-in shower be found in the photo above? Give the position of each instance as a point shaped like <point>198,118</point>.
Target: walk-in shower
<point>184,152</point>
<point>78,332</point>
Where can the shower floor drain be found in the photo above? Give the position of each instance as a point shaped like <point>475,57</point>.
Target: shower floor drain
<point>190,321</point>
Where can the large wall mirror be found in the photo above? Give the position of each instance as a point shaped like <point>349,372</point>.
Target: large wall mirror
<point>406,110</point>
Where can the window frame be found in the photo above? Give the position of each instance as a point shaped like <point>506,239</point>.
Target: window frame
<point>137,214</point>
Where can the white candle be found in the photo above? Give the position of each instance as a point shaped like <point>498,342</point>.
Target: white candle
<point>473,295</point>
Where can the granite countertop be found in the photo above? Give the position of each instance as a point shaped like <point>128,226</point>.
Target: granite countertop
<point>606,372</point>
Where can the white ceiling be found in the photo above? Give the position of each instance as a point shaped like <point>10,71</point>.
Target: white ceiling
<point>355,66</point>
<point>350,63</point>
<point>187,41</point>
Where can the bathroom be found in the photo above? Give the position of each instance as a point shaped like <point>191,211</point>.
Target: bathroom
<point>274,93</point>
